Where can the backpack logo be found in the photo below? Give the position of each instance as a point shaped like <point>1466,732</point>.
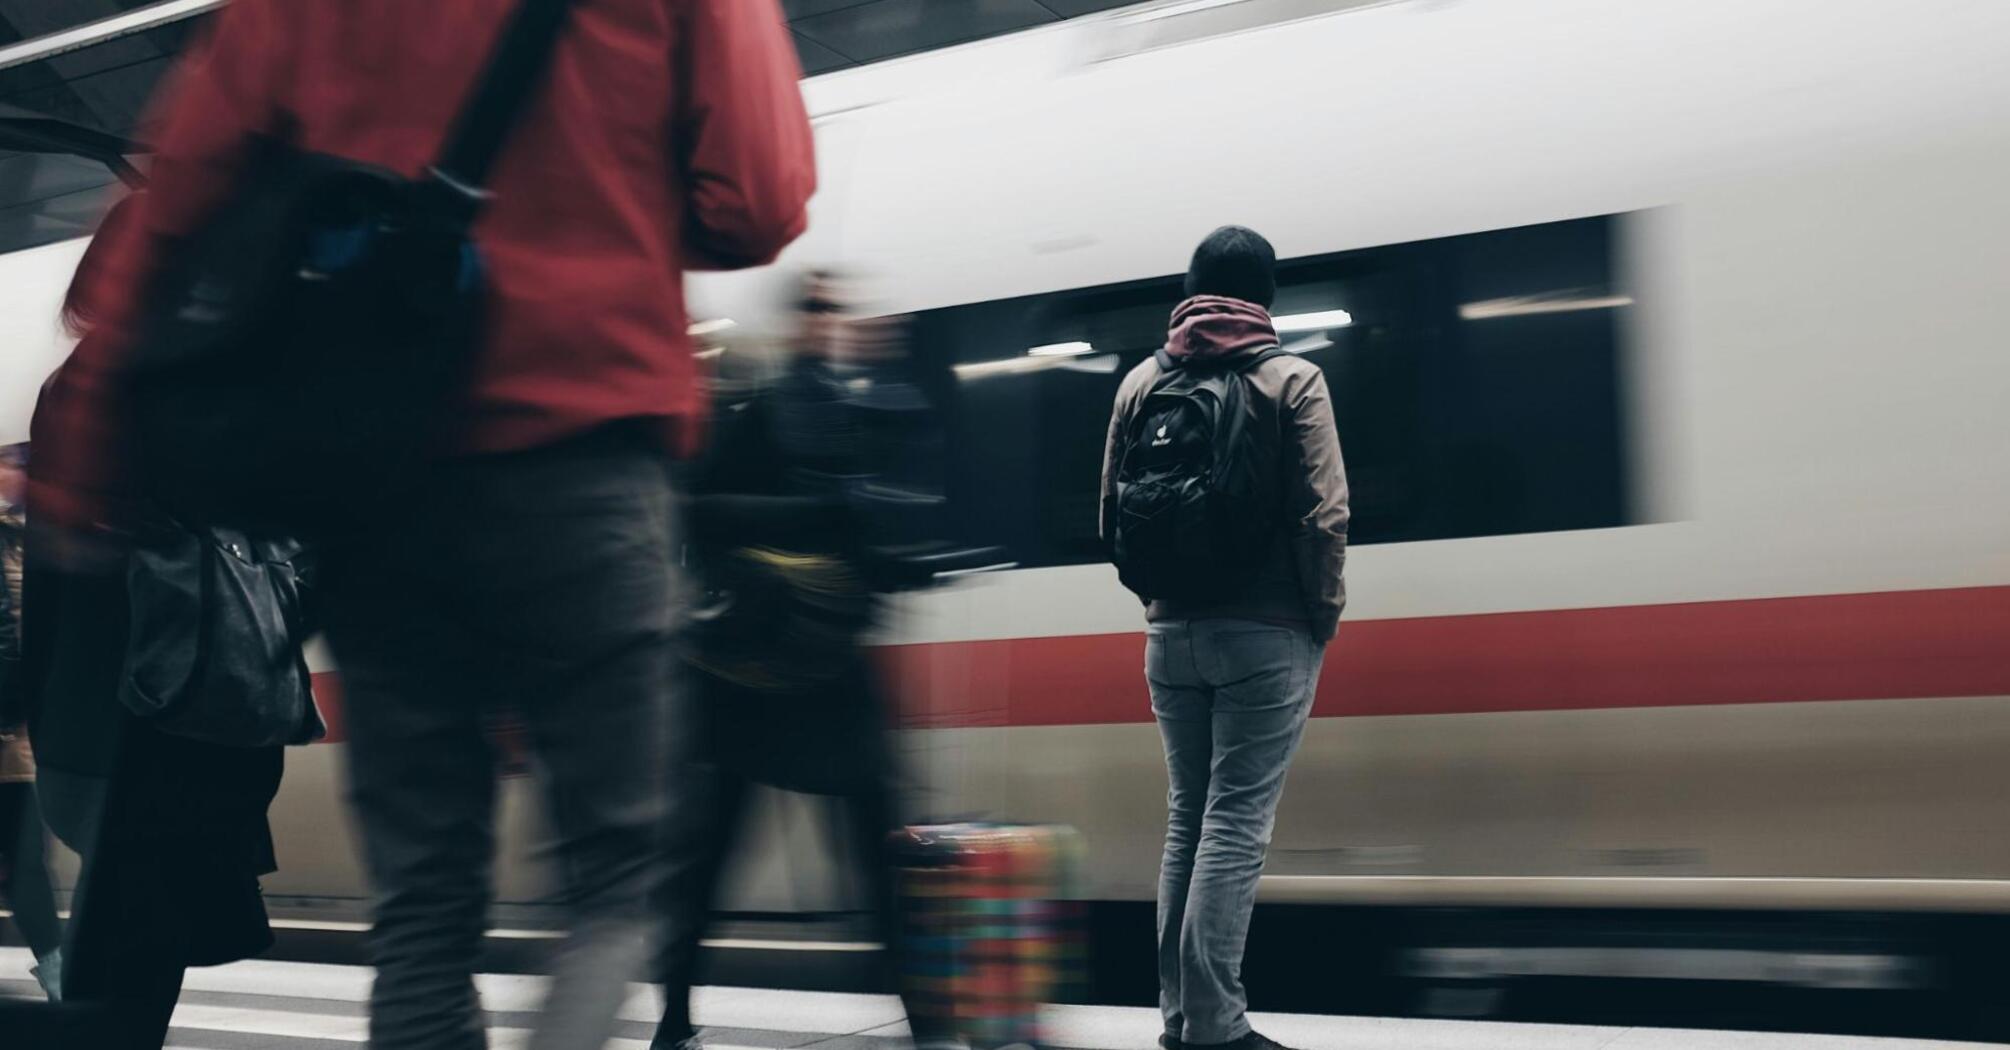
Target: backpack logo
<point>1161,439</point>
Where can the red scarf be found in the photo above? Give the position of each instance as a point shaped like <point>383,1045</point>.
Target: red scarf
<point>1211,326</point>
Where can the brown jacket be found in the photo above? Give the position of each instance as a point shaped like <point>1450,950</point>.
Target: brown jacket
<point>1302,579</point>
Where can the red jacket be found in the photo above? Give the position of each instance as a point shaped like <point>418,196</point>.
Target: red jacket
<point>670,135</point>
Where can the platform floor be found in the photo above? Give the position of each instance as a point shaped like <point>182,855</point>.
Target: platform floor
<point>308,1006</point>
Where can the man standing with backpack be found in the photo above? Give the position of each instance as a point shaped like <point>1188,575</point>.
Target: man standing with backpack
<point>1224,501</point>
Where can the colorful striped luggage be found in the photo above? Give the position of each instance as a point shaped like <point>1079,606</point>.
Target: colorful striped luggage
<point>993,929</point>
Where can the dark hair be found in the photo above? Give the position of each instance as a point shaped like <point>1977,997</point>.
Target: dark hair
<point>1237,262</point>
<point>84,301</point>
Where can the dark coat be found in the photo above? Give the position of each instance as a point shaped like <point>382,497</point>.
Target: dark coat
<point>173,831</point>
<point>779,472</point>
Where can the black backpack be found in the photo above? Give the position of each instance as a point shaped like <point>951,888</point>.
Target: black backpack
<point>1198,491</point>
<point>296,354</point>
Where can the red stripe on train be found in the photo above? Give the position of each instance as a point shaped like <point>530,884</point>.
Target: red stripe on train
<point>1891,645</point>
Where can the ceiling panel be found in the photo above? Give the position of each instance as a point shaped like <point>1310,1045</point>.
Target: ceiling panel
<point>885,28</point>
<point>107,85</point>
<point>1072,8</point>
<point>817,58</point>
<point>796,9</point>
<point>50,198</point>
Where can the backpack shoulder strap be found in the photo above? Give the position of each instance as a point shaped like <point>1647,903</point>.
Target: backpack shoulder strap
<point>514,71</point>
<point>1168,363</point>
<point>1267,355</point>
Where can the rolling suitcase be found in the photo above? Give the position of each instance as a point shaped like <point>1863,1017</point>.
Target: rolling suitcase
<point>993,932</point>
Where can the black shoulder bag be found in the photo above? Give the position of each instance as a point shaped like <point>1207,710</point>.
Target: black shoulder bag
<point>213,651</point>
<point>295,357</point>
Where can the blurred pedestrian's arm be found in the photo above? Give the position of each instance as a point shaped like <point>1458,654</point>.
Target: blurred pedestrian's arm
<point>1317,501</point>
<point>748,156</point>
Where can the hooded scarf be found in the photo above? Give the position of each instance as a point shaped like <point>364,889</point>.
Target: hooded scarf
<point>1214,326</point>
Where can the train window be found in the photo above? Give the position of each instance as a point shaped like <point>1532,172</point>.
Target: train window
<point>1476,382</point>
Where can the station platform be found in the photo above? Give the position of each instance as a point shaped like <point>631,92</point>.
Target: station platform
<point>314,1006</point>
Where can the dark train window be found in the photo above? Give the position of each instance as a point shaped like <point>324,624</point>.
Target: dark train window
<point>1476,381</point>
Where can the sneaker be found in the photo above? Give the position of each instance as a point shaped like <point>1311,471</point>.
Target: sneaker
<point>48,972</point>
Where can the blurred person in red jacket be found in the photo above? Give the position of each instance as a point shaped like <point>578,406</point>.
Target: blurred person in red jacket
<point>535,570</point>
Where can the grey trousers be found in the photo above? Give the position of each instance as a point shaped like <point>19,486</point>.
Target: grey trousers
<point>1231,698</point>
<point>540,584</point>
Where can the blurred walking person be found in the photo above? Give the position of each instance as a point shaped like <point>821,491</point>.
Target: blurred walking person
<point>533,569</point>
<point>786,542</point>
<point>1224,499</point>
<point>171,832</point>
<point>24,866</point>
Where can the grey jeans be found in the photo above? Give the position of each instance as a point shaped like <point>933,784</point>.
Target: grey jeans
<point>538,585</point>
<point>1231,698</point>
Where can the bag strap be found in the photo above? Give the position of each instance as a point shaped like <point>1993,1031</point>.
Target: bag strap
<point>1251,363</point>
<point>1168,363</point>
<point>514,71</point>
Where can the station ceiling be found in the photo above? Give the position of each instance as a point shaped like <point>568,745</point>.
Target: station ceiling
<point>106,86</point>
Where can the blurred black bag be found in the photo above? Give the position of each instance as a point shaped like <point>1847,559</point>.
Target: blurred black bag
<point>214,648</point>
<point>295,356</point>
<point>785,605</point>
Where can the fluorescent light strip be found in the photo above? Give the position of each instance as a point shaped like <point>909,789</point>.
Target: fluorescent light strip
<point>1005,367</point>
<point>1526,305</point>
<point>1313,322</point>
<point>1101,364</point>
<point>1061,350</point>
<point>89,34</point>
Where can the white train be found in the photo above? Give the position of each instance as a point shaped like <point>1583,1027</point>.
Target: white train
<point>1673,392</point>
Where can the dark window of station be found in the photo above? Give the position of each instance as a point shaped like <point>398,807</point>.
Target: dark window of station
<point>1476,381</point>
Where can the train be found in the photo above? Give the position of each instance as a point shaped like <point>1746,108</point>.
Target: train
<point>1666,344</point>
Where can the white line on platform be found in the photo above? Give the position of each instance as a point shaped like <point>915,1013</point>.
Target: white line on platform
<point>272,1022</point>
<point>815,1013</point>
<point>757,944</point>
<point>194,1020</point>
